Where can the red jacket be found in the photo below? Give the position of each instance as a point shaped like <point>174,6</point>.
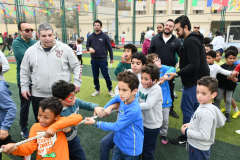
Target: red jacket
<point>237,68</point>
<point>112,44</point>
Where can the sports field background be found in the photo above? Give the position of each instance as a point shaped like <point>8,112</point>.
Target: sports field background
<point>226,147</point>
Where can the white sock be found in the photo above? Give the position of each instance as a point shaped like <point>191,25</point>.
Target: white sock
<point>235,109</point>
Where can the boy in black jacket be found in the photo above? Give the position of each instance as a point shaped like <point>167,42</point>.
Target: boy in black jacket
<point>227,84</point>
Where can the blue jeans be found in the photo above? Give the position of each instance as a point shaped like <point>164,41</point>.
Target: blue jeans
<point>75,149</point>
<point>105,146</point>
<point>195,153</point>
<point>103,65</point>
<point>189,103</point>
<point>120,155</point>
<point>149,144</point>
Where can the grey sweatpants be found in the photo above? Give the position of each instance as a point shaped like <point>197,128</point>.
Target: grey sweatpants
<point>164,128</point>
<point>228,98</point>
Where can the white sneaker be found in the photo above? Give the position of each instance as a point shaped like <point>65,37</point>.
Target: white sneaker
<point>111,94</point>
<point>27,157</point>
<point>96,93</point>
<point>238,131</point>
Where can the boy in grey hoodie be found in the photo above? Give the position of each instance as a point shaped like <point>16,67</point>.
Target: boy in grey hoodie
<point>201,130</point>
<point>150,100</point>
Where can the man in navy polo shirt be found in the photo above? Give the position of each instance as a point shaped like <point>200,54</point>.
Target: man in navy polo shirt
<point>98,43</point>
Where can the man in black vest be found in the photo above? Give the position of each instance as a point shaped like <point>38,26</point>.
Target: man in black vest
<point>166,45</point>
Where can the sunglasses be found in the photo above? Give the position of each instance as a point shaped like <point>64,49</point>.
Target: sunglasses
<point>28,30</point>
<point>196,27</point>
<point>177,29</point>
<point>70,98</point>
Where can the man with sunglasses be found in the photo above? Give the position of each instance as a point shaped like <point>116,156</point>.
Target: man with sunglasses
<point>193,66</point>
<point>19,46</point>
<point>166,45</point>
<point>46,62</point>
<point>196,29</point>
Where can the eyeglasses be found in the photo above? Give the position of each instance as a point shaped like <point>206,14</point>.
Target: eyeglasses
<point>70,98</point>
<point>157,60</point>
<point>177,29</point>
<point>28,30</point>
<point>196,27</point>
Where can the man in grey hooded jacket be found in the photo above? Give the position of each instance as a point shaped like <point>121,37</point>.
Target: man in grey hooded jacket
<point>46,62</point>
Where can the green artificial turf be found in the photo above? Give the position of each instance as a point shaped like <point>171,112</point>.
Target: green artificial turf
<point>227,143</point>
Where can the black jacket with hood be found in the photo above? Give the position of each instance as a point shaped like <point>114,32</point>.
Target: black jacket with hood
<point>165,51</point>
<point>225,83</point>
<point>193,64</point>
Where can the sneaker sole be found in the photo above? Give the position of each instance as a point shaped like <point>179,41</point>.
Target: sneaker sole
<point>164,142</point>
<point>22,136</point>
<point>95,95</point>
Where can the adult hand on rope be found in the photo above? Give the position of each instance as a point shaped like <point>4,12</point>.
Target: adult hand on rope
<point>172,75</point>
<point>3,134</point>
<point>9,148</point>
<point>25,94</point>
<point>49,133</point>
<point>99,111</point>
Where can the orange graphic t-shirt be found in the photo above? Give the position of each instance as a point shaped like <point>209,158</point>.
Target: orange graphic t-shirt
<point>55,147</point>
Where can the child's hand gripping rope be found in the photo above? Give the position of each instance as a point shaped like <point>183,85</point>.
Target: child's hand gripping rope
<point>169,75</point>
<point>13,147</point>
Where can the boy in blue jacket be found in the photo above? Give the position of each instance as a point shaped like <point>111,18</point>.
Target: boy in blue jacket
<point>167,100</point>
<point>64,91</point>
<point>128,137</point>
<point>8,113</point>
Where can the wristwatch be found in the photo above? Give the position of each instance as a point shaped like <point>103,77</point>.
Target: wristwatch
<point>95,124</point>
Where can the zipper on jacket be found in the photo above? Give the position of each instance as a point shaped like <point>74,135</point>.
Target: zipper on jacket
<point>134,140</point>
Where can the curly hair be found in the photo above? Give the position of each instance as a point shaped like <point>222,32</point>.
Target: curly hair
<point>209,82</point>
<point>140,56</point>
<point>211,53</point>
<point>152,70</point>
<point>130,78</point>
<point>229,53</point>
<point>150,58</point>
<point>62,89</point>
<point>51,103</point>
<point>130,46</point>
<point>233,48</point>
<point>207,40</point>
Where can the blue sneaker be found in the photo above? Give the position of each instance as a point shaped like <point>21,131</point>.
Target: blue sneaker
<point>24,133</point>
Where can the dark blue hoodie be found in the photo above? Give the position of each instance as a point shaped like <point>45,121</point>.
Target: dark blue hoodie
<point>101,44</point>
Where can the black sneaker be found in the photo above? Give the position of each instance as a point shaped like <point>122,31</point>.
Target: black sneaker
<point>179,140</point>
<point>24,133</point>
<point>173,114</point>
<point>227,115</point>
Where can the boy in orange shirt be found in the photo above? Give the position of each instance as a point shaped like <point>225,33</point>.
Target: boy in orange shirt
<point>54,145</point>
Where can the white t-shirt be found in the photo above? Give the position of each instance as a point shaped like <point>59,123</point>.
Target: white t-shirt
<point>210,34</point>
<point>79,49</point>
<point>122,36</point>
<point>166,39</point>
<point>218,43</point>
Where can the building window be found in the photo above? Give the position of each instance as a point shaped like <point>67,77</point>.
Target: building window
<point>140,12</point>
<point>160,12</point>
<point>198,11</point>
<point>177,12</point>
